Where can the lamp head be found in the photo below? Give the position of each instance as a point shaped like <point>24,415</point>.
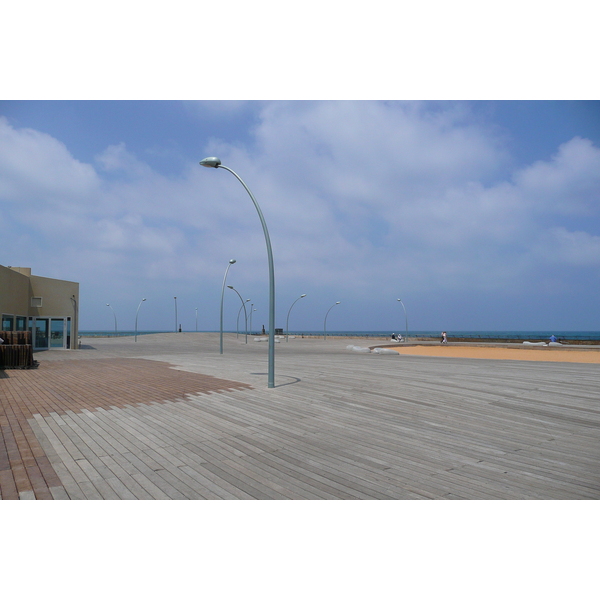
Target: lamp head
<point>211,161</point>
<point>338,302</point>
<point>232,261</point>
<point>303,296</point>
<point>230,287</point>
<point>143,299</point>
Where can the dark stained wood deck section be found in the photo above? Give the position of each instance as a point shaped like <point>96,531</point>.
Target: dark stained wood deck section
<point>63,387</point>
<point>338,424</point>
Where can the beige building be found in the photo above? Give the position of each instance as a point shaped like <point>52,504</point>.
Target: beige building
<point>49,308</point>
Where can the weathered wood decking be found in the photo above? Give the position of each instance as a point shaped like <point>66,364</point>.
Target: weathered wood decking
<point>338,424</point>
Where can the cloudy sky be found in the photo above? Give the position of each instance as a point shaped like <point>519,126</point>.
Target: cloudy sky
<point>479,207</point>
<point>479,215</point>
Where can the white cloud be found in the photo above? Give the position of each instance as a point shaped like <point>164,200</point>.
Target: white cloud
<point>36,168</point>
<point>573,248</point>
<point>360,199</point>
<point>568,184</point>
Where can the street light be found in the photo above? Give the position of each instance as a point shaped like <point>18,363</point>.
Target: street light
<point>115,315</point>
<point>175,298</point>
<point>287,322</point>
<point>325,322</point>
<point>214,162</point>
<point>196,319</point>
<point>237,325</point>
<point>405,318</point>
<point>252,310</point>
<point>136,317</point>
<point>231,262</point>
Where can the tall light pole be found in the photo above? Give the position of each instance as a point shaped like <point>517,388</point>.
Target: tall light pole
<point>213,161</point>
<point>245,313</point>
<point>252,309</point>
<point>405,318</point>
<point>196,319</point>
<point>325,322</point>
<point>237,323</point>
<point>175,298</point>
<point>231,262</point>
<point>115,315</point>
<point>287,322</point>
<point>136,317</point>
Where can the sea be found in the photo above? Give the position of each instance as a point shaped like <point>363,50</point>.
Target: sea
<point>483,335</point>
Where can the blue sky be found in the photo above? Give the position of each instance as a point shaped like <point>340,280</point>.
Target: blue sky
<point>479,207</point>
<point>478,214</point>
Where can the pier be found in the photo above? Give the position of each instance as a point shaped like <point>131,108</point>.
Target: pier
<point>168,417</point>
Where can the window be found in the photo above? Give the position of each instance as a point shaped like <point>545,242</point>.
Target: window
<point>21,324</point>
<point>7,322</point>
<point>36,302</point>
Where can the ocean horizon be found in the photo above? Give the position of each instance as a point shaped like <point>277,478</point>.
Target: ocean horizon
<point>477,334</point>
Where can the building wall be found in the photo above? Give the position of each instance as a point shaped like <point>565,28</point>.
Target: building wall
<point>15,292</point>
<point>18,287</point>
<point>56,297</point>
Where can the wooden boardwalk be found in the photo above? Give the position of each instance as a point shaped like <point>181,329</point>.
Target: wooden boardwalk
<point>116,421</point>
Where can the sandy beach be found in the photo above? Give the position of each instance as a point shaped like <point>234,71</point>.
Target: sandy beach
<point>495,353</point>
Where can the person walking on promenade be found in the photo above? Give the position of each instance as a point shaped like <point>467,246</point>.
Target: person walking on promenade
<point>444,338</point>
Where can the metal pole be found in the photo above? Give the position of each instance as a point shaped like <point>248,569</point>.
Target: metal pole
<point>405,318</point>
<point>115,315</point>
<point>245,313</point>
<point>216,163</point>
<point>237,322</point>
<point>231,262</point>
<point>136,317</point>
<point>175,298</point>
<point>325,322</point>
<point>287,322</point>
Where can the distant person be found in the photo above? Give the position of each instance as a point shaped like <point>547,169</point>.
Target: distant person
<point>263,332</point>
<point>394,338</point>
<point>552,338</point>
<point>444,339</point>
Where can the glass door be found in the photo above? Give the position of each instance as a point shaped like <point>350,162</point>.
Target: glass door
<point>57,333</point>
<point>41,333</point>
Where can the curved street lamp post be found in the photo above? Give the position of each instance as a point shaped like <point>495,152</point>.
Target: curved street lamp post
<point>325,322</point>
<point>214,162</point>
<point>237,323</point>
<point>115,315</point>
<point>245,313</point>
<point>231,262</point>
<point>136,317</point>
<point>405,318</point>
<point>287,322</point>
<point>252,310</point>
<point>175,298</point>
